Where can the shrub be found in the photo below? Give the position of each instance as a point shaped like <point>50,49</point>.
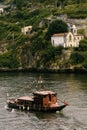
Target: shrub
<point>83,45</point>
<point>77,58</point>
<point>8,60</point>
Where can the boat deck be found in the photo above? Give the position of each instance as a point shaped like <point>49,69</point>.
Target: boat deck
<point>27,98</point>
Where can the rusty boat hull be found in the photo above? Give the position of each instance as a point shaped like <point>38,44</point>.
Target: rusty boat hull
<point>12,105</point>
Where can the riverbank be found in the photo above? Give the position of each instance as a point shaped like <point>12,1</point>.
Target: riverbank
<point>35,70</point>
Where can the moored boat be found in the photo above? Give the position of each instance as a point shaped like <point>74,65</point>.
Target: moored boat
<point>45,101</point>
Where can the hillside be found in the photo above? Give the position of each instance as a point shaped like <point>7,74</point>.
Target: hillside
<point>19,51</point>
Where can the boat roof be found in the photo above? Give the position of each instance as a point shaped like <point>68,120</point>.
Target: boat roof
<point>44,92</point>
<point>26,98</point>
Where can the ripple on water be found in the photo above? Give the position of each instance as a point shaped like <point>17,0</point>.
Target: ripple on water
<point>73,88</point>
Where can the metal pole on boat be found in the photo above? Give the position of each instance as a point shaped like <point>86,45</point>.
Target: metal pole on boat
<point>28,108</point>
<point>23,107</point>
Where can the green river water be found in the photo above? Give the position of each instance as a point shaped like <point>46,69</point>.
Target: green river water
<point>69,87</point>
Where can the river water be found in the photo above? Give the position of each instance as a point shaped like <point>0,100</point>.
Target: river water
<point>69,87</point>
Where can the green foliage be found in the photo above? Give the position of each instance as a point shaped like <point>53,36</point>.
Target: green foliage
<point>81,31</point>
<point>58,50</point>
<point>85,62</point>
<point>38,44</point>
<point>77,58</point>
<point>19,3</point>
<point>47,55</point>
<point>8,60</point>
<point>76,11</point>
<point>62,3</point>
<point>83,45</point>
<point>32,12</point>
<point>80,54</point>
<point>50,53</point>
<point>7,29</point>
<point>57,26</point>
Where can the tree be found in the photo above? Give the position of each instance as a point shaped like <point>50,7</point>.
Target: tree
<point>9,59</point>
<point>48,55</point>
<point>58,50</point>
<point>62,3</point>
<point>83,45</point>
<point>77,58</point>
<point>18,3</point>
<point>57,26</point>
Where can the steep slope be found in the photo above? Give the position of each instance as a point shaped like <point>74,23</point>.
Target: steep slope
<point>34,51</point>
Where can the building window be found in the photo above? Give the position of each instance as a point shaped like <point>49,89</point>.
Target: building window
<point>70,38</point>
<point>74,31</point>
<point>53,42</point>
<point>82,37</point>
<point>70,45</point>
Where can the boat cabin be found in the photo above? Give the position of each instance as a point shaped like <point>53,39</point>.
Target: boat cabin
<point>45,98</point>
<point>25,100</point>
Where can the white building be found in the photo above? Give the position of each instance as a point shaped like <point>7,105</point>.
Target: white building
<point>1,10</point>
<point>69,39</point>
<point>26,30</point>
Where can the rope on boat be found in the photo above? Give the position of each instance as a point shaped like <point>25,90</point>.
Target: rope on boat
<point>63,102</point>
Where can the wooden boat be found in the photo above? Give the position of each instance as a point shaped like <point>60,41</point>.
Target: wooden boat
<point>45,101</point>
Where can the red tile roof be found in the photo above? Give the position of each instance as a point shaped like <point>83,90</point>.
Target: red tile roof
<point>59,34</point>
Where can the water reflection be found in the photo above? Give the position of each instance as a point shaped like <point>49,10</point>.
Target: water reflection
<point>49,116</point>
